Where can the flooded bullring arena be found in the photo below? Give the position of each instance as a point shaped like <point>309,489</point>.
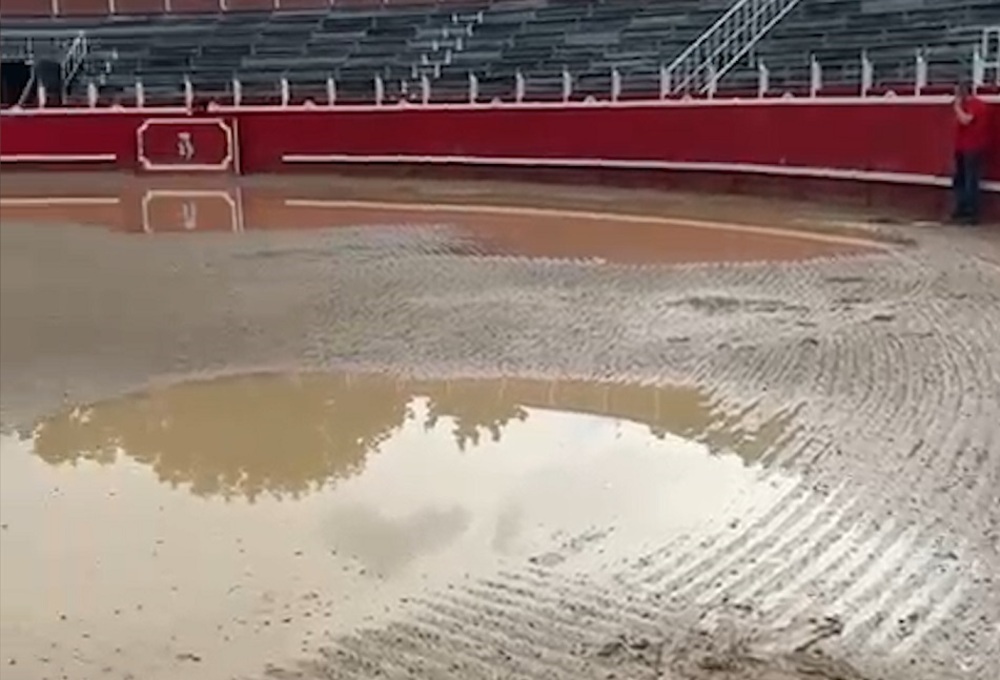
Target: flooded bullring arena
<point>331,428</point>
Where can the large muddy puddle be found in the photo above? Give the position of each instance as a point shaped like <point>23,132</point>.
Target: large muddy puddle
<point>206,529</point>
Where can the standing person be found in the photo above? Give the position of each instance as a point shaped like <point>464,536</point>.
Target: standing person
<point>971,140</point>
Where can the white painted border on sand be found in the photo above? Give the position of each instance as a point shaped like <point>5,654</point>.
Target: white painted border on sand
<point>687,166</point>
<point>52,201</point>
<point>520,211</point>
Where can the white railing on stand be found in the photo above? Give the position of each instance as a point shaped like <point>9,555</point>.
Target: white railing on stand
<point>818,87</point>
<point>989,50</point>
<point>699,67</point>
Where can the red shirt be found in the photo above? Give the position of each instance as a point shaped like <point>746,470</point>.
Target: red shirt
<point>973,136</point>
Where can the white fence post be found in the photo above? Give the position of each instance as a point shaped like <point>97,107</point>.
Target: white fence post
<point>763,80</point>
<point>237,92</point>
<point>519,87</point>
<point>331,91</point>
<point>921,80</point>
<point>188,93</point>
<point>713,81</point>
<point>379,90</point>
<point>425,90</point>
<point>616,84</point>
<point>140,94</point>
<point>978,69</point>
<point>867,74</point>
<point>43,96</point>
<point>286,91</point>
<point>664,82</point>
<point>567,85</point>
<point>815,77</point>
<point>473,88</point>
<point>91,94</point>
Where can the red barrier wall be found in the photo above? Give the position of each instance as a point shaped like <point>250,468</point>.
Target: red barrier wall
<point>901,143</point>
<point>900,138</point>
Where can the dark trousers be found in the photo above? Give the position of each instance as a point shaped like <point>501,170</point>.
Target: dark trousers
<point>965,183</point>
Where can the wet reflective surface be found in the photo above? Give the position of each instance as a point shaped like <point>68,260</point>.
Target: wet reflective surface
<point>212,527</point>
<point>476,223</point>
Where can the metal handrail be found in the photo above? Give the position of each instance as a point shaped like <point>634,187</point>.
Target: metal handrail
<point>29,87</point>
<point>706,35</point>
<point>73,60</point>
<point>735,32</point>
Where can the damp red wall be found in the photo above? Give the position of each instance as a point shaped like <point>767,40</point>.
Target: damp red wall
<point>875,142</point>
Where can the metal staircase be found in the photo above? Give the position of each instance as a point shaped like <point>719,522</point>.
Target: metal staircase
<point>68,49</point>
<point>699,67</point>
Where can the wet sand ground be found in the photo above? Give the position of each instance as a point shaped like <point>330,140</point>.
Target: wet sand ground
<point>315,435</point>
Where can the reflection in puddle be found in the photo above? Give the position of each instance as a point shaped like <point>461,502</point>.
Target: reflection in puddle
<point>241,520</point>
<point>472,230</point>
<point>286,435</point>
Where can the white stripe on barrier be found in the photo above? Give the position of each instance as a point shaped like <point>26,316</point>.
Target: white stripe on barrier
<point>87,111</point>
<point>59,158</point>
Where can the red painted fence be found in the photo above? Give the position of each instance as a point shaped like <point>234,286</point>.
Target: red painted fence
<point>873,136</point>
<point>904,142</point>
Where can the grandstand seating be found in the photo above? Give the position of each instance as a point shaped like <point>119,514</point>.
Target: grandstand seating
<point>494,39</point>
<point>889,31</point>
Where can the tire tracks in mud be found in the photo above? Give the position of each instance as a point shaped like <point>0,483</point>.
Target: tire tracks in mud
<point>890,384</point>
<point>889,472</point>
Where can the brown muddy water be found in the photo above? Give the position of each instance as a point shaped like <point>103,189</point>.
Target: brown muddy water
<point>209,528</point>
